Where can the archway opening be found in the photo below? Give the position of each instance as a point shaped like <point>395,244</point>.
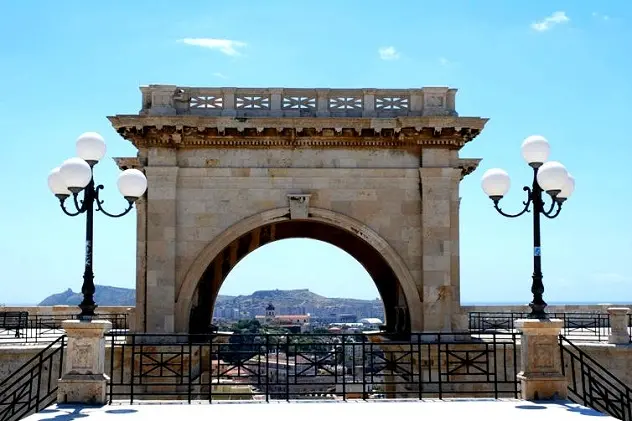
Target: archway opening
<point>395,309</point>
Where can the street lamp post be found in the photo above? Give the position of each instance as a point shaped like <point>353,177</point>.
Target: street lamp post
<point>75,175</point>
<point>550,177</point>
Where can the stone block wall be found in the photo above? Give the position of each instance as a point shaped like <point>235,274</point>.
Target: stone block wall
<point>197,195</point>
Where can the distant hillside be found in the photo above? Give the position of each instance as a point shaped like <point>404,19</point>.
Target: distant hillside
<point>113,296</point>
<point>104,295</point>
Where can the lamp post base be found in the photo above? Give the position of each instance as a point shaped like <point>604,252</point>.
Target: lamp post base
<point>537,311</point>
<point>87,311</point>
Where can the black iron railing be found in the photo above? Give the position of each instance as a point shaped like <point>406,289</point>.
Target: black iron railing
<point>580,327</point>
<point>592,385</point>
<point>46,328</point>
<point>307,366</point>
<point>33,386</point>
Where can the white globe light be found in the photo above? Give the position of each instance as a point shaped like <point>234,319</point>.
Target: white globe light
<point>568,189</point>
<point>56,183</point>
<point>535,149</point>
<point>91,147</point>
<point>132,183</point>
<point>552,176</point>
<point>76,173</point>
<point>496,182</point>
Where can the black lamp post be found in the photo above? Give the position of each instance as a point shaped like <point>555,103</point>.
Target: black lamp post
<point>550,177</point>
<point>75,175</point>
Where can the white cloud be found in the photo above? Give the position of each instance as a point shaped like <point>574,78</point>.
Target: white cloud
<point>226,46</point>
<point>388,53</point>
<point>548,22</point>
<point>220,75</point>
<point>444,61</point>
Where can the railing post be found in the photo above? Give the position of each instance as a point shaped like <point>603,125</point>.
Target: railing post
<point>162,100</point>
<point>541,377</point>
<point>84,379</point>
<point>619,325</point>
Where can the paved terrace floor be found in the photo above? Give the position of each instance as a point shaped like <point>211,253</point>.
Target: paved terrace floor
<point>470,410</point>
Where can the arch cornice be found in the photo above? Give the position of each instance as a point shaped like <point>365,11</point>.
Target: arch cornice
<point>186,291</point>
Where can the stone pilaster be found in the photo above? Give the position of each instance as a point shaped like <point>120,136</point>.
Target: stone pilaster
<point>439,211</point>
<point>161,243</point>
<point>619,325</point>
<point>141,265</point>
<point>84,379</point>
<point>541,377</point>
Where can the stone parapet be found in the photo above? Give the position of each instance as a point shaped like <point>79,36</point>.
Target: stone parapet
<point>165,100</point>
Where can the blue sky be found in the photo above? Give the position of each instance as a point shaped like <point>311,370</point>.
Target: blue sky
<point>557,68</point>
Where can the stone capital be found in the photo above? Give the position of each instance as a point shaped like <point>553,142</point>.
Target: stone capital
<point>83,329</point>
<point>540,327</point>
<point>619,334</point>
<point>616,311</point>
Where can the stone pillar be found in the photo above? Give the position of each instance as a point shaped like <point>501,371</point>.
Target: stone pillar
<point>619,325</point>
<point>162,101</point>
<point>541,377</point>
<point>439,206</point>
<point>276,102</point>
<point>162,176</point>
<point>84,379</point>
<point>141,265</point>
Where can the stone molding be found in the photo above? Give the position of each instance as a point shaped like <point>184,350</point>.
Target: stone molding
<point>467,165</point>
<point>315,132</point>
<point>189,284</point>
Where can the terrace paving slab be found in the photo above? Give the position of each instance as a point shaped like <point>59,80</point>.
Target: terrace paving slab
<point>449,409</point>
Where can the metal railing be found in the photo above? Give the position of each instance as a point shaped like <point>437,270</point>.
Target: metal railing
<point>592,385</point>
<point>307,366</point>
<point>46,328</point>
<point>580,327</point>
<point>33,386</point>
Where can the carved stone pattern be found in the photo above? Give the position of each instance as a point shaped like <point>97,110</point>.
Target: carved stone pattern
<point>81,358</point>
<point>345,103</point>
<point>544,353</point>
<point>253,102</point>
<point>391,103</point>
<point>298,103</point>
<point>211,102</point>
<point>279,137</point>
<point>434,101</point>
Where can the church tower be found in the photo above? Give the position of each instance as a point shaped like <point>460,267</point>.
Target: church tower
<point>270,312</point>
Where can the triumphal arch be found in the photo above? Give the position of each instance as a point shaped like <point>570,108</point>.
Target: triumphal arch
<point>375,172</point>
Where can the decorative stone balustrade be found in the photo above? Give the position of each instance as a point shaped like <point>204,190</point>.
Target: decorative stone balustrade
<point>171,100</point>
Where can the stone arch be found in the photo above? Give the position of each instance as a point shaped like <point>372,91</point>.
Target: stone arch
<point>408,303</point>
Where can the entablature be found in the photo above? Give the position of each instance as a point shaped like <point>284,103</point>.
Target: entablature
<point>200,131</point>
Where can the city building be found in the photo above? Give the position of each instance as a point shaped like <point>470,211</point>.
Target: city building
<point>296,323</point>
